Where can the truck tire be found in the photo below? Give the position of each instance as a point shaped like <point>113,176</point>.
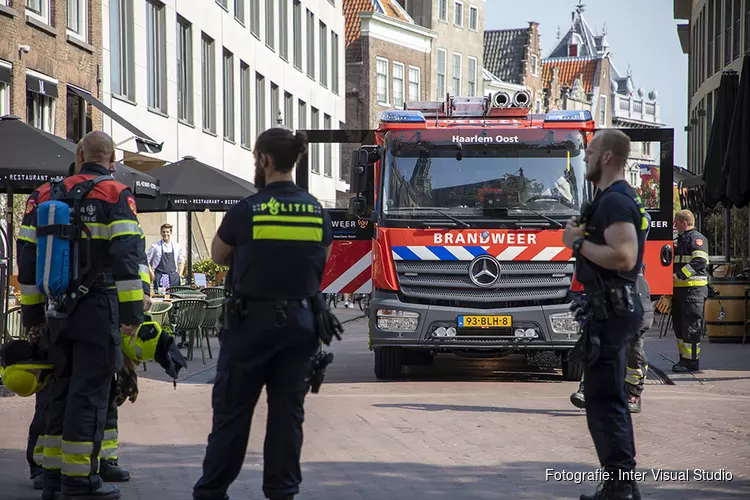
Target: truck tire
<point>571,371</point>
<point>388,363</point>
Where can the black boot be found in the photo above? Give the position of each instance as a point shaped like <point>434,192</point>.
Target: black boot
<point>288,497</point>
<point>577,398</point>
<point>104,492</point>
<point>51,484</point>
<point>614,489</point>
<point>37,476</point>
<point>110,472</point>
<point>686,365</point>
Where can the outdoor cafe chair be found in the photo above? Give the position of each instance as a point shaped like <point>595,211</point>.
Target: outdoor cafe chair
<point>211,321</point>
<point>189,316</point>
<point>180,288</point>
<point>15,326</point>
<point>213,292</point>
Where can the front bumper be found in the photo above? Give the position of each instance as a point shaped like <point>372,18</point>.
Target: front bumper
<point>537,318</point>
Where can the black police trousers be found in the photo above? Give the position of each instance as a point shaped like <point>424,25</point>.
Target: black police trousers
<point>687,318</point>
<point>256,353</point>
<point>37,437</point>
<point>86,354</point>
<point>607,412</point>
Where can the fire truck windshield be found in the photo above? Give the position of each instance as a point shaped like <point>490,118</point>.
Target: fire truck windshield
<point>508,181</point>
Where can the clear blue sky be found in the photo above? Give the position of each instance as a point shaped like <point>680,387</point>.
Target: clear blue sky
<point>641,33</point>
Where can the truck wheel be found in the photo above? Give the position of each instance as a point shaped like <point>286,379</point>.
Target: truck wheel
<point>388,363</point>
<point>571,371</point>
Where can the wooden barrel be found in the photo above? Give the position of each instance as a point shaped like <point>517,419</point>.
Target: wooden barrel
<point>731,293</point>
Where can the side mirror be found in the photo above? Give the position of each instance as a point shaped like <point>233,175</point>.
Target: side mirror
<point>357,206</point>
<point>358,179</point>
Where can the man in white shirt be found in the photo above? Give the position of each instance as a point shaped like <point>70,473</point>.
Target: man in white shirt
<point>166,258</point>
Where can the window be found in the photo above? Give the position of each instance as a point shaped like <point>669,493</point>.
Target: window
<point>717,39</point>
<point>301,114</point>
<point>334,62</point>
<point>534,65</point>
<point>40,111</point>
<point>458,14</point>
<point>398,85</point>
<point>310,44</point>
<point>184,71</point>
<point>228,75</point>
<point>275,105</point>
<point>246,132</point>
<point>239,10</point>
<point>78,118</point>
<point>473,18</point>
<point>288,110</point>
<point>327,153</point>
<point>710,51</point>
<point>602,111</point>
<point>156,52</point>
<point>538,107</point>
<point>343,166</point>
<point>4,98</point>
<point>77,18</point>
<point>270,20</point>
<point>122,53</point>
<point>223,3</point>
<point>381,80</point>
<point>297,33</point>
<point>727,31</point>
<point>443,10</point>
<point>323,44</point>
<point>747,26</point>
<point>737,29</point>
<point>283,29</point>
<point>414,84</point>
<point>456,74</point>
<point>260,104</point>
<point>208,84</point>
<point>441,62</point>
<point>472,77</point>
<point>255,17</point>
<point>314,148</point>
<point>39,9</point>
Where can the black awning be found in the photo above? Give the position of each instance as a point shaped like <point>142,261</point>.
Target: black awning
<point>39,86</point>
<point>5,74</point>
<point>153,146</point>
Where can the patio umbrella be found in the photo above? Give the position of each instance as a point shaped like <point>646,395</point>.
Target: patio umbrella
<point>189,185</point>
<point>737,161</point>
<point>714,178</point>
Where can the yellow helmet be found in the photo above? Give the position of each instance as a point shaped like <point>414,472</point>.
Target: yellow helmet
<point>26,379</point>
<point>143,346</point>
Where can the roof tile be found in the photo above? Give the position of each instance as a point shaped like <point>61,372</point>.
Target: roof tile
<point>571,68</point>
<point>352,9</point>
<point>504,52</point>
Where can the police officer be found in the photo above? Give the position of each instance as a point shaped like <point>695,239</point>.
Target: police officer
<point>608,242</point>
<point>637,362</point>
<point>690,290</point>
<point>277,242</point>
<point>85,346</point>
<point>109,469</point>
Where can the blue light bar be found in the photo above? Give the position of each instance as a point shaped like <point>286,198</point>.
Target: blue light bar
<point>569,116</point>
<point>401,116</point>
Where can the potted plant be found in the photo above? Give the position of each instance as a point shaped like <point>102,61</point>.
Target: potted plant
<point>213,271</point>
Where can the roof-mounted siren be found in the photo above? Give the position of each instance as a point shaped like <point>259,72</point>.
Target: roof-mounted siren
<point>522,99</point>
<point>501,99</point>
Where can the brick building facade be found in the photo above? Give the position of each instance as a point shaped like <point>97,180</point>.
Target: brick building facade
<point>45,51</point>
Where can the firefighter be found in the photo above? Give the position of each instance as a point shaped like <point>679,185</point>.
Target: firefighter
<point>690,290</point>
<point>84,331</point>
<point>109,469</point>
<point>608,241</point>
<point>277,243</point>
<point>637,362</point>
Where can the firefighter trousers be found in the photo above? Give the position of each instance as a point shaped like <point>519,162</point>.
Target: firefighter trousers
<point>37,437</point>
<point>687,318</point>
<point>607,411</point>
<point>86,355</point>
<point>637,366</point>
<point>254,354</point>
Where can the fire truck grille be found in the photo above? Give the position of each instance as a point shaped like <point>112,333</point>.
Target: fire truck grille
<point>520,284</point>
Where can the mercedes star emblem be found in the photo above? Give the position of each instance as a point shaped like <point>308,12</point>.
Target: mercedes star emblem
<point>484,271</point>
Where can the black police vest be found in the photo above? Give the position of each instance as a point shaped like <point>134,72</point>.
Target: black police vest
<point>282,254</point>
<point>594,276</point>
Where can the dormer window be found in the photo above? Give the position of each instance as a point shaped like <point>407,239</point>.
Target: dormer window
<point>572,50</point>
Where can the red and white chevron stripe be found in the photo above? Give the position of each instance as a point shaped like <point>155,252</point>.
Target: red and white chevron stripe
<point>349,268</point>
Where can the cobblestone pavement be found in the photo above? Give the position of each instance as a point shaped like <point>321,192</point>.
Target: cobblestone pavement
<point>461,429</point>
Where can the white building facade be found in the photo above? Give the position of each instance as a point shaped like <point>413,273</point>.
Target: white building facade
<point>204,78</point>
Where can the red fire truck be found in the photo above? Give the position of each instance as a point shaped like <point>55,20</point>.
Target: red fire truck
<point>456,229</point>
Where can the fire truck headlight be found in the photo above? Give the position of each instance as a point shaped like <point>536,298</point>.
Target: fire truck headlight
<point>564,323</point>
<point>394,320</point>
